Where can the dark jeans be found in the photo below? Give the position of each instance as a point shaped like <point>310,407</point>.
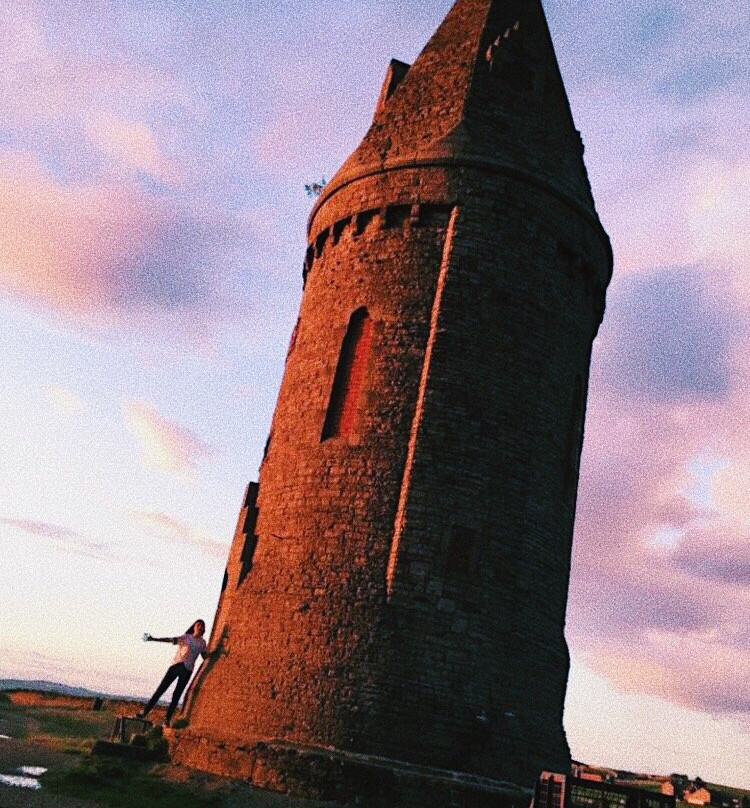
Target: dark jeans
<point>177,671</point>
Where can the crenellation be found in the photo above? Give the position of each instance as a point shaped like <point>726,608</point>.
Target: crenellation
<point>338,229</point>
<point>434,215</point>
<point>362,221</point>
<point>417,214</point>
<point>396,215</point>
<point>320,242</point>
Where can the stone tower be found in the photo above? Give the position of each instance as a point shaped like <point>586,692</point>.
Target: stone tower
<point>395,594</point>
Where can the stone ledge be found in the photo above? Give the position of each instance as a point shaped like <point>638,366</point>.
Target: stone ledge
<point>345,777</point>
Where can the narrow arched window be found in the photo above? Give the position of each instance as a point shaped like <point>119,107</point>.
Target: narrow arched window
<point>573,445</point>
<point>349,381</point>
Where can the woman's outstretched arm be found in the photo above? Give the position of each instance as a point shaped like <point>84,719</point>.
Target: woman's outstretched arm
<point>149,638</point>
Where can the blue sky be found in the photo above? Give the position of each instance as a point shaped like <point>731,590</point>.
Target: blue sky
<point>153,158</point>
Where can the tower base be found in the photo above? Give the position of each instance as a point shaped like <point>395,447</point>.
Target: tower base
<point>346,777</point>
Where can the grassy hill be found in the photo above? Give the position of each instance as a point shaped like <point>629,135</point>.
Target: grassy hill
<point>52,687</point>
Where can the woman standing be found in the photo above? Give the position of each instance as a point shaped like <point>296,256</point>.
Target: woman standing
<point>189,646</point>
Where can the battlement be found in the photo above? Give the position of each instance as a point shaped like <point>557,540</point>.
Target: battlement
<point>391,217</point>
<point>574,260</point>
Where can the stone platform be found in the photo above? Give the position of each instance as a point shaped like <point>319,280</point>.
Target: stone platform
<point>346,777</point>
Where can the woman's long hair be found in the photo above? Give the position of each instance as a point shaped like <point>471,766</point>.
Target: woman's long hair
<point>190,630</point>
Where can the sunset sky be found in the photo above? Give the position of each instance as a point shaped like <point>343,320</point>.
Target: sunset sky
<point>153,157</point>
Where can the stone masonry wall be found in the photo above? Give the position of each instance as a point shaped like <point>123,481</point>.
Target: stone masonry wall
<point>316,650</point>
<point>401,594</point>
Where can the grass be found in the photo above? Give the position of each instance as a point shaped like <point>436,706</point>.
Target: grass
<point>117,783</point>
<point>68,731</point>
<point>123,784</point>
<point>61,729</point>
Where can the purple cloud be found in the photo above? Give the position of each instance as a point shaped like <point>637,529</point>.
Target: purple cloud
<point>67,539</point>
<point>109,254</point>
<point>44,530</point>
<point>719,553</point>
<point>670,336</point>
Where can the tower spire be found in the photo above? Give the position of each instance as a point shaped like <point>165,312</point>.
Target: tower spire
<point>485,89</point>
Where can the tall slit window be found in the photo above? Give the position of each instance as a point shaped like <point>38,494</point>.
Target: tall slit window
<point>248,530</point>
<point>573,449</point>
<point>349,381</point>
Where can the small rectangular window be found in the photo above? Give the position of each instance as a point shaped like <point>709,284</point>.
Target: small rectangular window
<point>573,444</point>
<point>320,242</point>
<point>246,559</point>
<point>248,530</point>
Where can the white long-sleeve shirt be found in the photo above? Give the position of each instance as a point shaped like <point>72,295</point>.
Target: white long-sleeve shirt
<point>188,648</point>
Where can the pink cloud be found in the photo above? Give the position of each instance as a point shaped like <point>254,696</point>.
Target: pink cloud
<point>164,444</point>
<point>60,245</point>
<point>661,573</point>
<point>661,569</point>
<point>665,621</point>
<point>131,145</point>
<point>92,240</point>
<point>730,486</point>
<point>43,82</point>
<point>64,400</point>
<point>717,552</point>
<point>104,253</point>
<point>162,526</point>
<point>697,673</point>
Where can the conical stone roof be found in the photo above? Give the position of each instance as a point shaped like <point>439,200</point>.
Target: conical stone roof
<point>486,90</point>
